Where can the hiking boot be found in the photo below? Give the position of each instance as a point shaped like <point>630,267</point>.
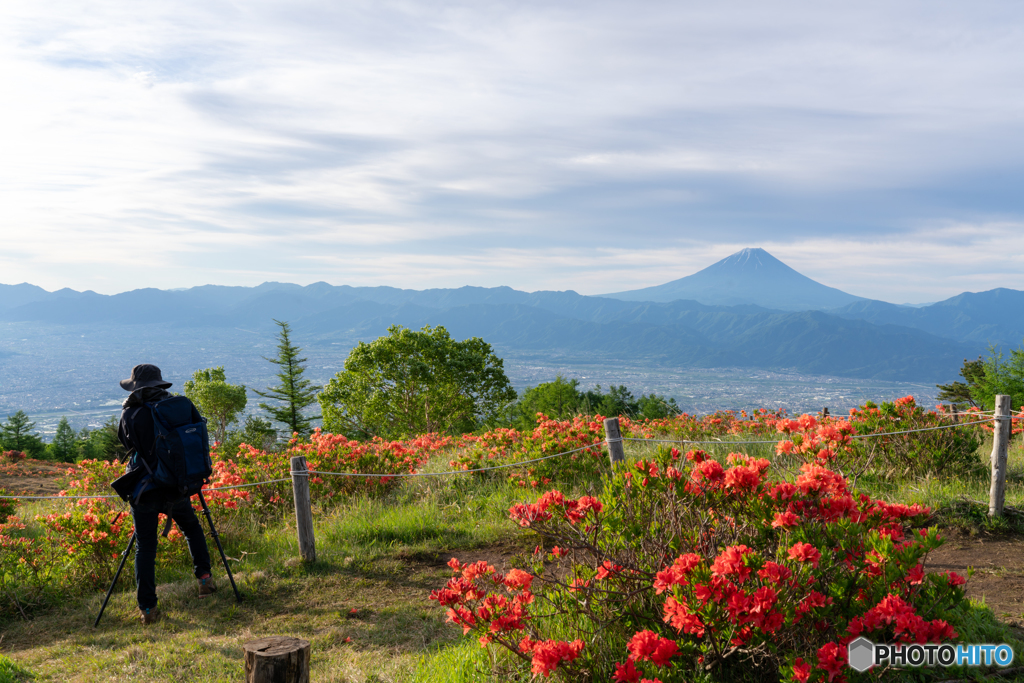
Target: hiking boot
<point>206,586</point>
<point>149,616</point>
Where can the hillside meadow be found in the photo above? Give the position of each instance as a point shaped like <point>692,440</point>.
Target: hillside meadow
<point>688,562</point>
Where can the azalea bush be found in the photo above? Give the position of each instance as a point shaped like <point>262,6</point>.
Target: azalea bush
<point>7,505</point>
<point>924,450</point>
<point>501,446</point>
<point>687,569</point>
<point>76,544</point>
<point>12,456</point>
<point>719,426</point>
<point>324,452</point>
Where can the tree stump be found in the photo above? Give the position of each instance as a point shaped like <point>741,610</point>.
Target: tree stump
<point>277,659</point>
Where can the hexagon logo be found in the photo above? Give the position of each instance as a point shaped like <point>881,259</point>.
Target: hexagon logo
<point>860,654</point>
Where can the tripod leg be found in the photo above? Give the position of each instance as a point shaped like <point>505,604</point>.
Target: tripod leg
<point>216,538</point>
<point>124,557</point>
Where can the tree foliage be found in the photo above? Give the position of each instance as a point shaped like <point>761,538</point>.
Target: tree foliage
<point>412,382</point>
<point>959,393</point>
<point>62,448</point>
<point>16,434</point>
<point>101,443</point>
<point>562,398</point>
<point>294,393</point>
<point>216,400</point>
<point>987,378</point>
<point>256,432</point>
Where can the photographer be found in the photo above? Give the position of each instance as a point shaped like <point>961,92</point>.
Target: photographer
<point>148,500</point>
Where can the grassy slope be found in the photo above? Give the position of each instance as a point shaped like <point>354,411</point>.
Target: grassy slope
<point>379,557</point>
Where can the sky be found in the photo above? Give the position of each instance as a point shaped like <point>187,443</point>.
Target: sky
<point>877,147</point>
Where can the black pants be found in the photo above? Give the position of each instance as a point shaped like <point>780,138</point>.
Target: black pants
<point>146,515</point>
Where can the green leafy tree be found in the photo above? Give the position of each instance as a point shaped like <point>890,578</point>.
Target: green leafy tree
<point>987,378</point>
<point>16,434</point>
<point>294,393</point>
<point>1002,376</point>
<point>618,401</point>
<point>654,407</point>
<point>413,382</point>
<point>560,400</point>
<point>62,448</point>
<point>217,400</point>
<point>256,432</point>
<point>968,392</point>
<point>101,443</point>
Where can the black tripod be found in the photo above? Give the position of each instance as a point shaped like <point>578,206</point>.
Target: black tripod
<point>131,542</point>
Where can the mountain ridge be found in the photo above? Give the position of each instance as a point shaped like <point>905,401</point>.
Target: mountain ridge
<point>864,338</point>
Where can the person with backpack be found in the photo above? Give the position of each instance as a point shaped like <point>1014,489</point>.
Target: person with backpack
<point>165,435</point>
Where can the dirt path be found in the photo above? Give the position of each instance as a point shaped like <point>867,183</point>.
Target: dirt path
<point>32,477</point>
<point>998,579</point>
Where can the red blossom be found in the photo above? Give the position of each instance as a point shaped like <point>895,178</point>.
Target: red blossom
<point>832,659</point>
<point>548,654</point>
<point>649,646</point>
<point>679,616</point>
<point>801,670</point>
<point>805,552</point>
<point>730,562</point>
<point>626,673</point>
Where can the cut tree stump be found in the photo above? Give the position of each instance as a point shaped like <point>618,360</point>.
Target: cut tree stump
<point>277,659</point>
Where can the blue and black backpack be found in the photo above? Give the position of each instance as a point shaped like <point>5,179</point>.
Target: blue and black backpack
<point>181,446</point>
<point>179,464</point>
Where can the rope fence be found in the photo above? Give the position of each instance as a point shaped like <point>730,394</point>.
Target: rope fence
<point>299,474</point>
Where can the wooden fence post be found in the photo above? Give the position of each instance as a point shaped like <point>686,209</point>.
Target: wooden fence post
<point>1000,443</point>
<point>303,508</point>
<point>613,437</point>
<point>277,659</point>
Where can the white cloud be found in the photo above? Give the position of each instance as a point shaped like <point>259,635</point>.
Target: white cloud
<point>389,136</point>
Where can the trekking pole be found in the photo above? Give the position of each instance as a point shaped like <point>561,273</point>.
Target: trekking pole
<point>124,558</point>
<point>216,538</point>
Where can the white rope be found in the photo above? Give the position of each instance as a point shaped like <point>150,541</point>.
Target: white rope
<point>514,464</point>
<point>857,436</point>
<point>442,474</point>
<point>54,497</point>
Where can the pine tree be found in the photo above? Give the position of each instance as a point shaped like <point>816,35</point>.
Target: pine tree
<point>16,434</point>
<point>294,393</point>
<point>62,448</point>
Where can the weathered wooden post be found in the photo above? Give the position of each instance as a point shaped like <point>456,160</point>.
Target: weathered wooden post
<point>303,508</point>
<point>277,659</point>
<point>613,437</point>
<point>1000,444</point>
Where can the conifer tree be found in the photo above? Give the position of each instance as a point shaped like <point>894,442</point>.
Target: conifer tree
<point>16,434</point>
<point>62,448</point>
<point>294,393</point>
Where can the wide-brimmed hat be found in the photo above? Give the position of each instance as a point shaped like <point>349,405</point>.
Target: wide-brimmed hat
<point>144,375</point>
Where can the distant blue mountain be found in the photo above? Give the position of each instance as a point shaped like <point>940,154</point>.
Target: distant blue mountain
<point>856,338</point>
<point>750,276</point>
<point>994,317</point>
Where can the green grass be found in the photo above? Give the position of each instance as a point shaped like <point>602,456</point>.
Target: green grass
<point>963,501</point>
<point>379,556</point>
<point>11,672</point>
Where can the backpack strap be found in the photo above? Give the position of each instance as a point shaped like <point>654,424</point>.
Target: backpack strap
<point>168,510</point>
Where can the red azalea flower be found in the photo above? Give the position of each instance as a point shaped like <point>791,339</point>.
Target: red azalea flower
<point>805,552</point>
<point>649,646</point>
